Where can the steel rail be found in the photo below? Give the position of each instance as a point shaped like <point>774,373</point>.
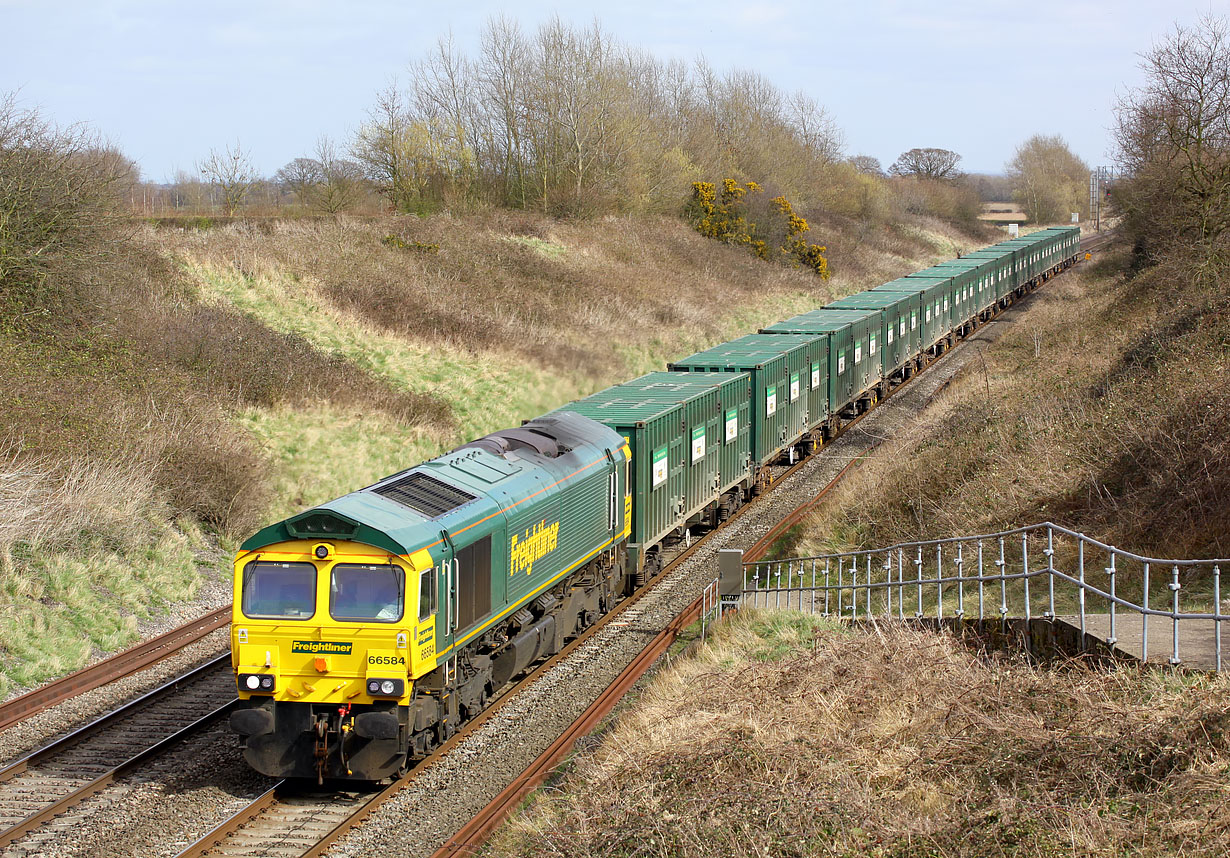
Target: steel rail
<point>236,821</point>
<point>83,792</point>
<point>112,668</point>
<point>106,720</point>
<point>475,832</point>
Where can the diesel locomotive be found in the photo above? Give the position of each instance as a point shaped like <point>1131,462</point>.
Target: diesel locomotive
<point>367,629</point>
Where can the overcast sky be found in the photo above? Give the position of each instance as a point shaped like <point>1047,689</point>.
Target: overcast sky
<point>170,80</point>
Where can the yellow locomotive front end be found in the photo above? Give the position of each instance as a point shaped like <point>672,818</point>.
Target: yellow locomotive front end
<point>326,641</point>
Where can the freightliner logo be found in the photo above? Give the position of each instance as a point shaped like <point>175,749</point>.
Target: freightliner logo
<point>321,647</point>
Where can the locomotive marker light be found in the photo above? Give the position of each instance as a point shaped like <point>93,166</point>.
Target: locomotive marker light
<point>322,551</point>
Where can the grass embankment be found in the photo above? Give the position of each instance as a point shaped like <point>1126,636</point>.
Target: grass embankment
<point>785,736</point>
<point>175,390</point>
<point>498,317</point>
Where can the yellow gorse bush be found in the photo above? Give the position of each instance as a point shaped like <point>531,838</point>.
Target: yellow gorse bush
<point>725,218</point>
<point>401,244</point>
<point>809,255</point>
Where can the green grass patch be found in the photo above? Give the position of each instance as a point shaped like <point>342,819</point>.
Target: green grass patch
<point>59,607</point>
<point>325,451</point>
<point>548,249</point>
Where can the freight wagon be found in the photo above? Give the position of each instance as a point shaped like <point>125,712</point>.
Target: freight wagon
<point>789,391</point>
<point>690,462</point>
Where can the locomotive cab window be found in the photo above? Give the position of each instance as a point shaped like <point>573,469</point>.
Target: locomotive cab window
<point>279,590</point>
<point>427,593</point>
<point>371,592</point>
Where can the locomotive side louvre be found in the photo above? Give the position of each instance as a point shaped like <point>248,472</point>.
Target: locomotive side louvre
<point>781,369</point>
<point>690,441</point>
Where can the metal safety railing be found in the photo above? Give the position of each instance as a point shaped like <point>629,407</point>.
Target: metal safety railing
<point>710,606</point>
<point>1042,571</point>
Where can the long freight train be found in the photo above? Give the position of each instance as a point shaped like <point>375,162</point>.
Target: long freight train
<point>367,629</point>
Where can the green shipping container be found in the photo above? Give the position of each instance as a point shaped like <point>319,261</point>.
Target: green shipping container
<point>690,441</point>
<point>1028,259</point>
<point>853,351</point>
<point>1002,259</point>
<point>930,291</point>
<point>964,292</point>
<point>900,340</point>
<point>900,332</point>
<point>784,404</point>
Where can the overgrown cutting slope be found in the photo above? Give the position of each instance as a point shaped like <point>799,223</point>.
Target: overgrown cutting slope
<point>787,736</point>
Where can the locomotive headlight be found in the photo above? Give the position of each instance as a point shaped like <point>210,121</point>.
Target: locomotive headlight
<point>386,687</point>
<point>257,682</point>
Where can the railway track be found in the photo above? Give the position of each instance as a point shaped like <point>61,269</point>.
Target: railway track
<point>111,669</point>
<point>50,781</point>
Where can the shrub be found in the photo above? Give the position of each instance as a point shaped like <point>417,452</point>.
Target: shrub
<point>731,218</point>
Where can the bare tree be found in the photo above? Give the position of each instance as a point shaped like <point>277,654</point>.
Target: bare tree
<point>61,191</point>
<point>867,164</point>
<point>817,130</point>
<point>503,77</point>
<point>231,173</point>
<point>342,179</point>
<point>927,164</point>
<point>1048,180</point>
<point>383,148</point>
<point>569,119</point>
<point>300,177</point>
<point>1173,136</point>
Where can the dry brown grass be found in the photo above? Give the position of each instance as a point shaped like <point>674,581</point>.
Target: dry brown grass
<point>777,741</point>
<point>565,295</point>
<point>49,504</point>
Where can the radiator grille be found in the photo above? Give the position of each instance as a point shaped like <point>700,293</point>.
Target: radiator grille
<point>424,494</point>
